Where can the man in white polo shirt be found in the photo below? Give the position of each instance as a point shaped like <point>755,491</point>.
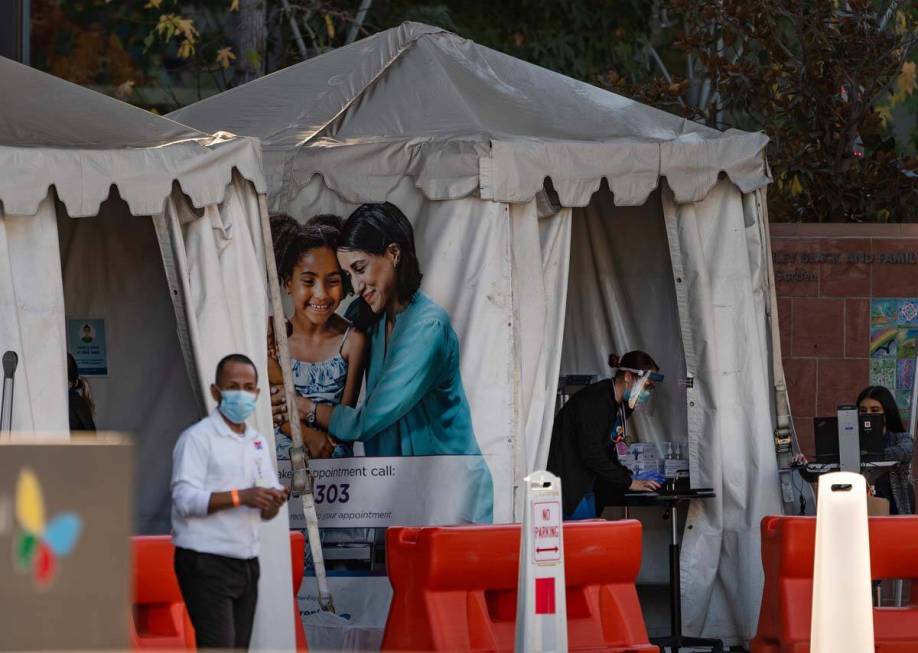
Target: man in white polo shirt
<point>223,485</point>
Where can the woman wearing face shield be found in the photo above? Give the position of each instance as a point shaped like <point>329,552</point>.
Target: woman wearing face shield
<point>589,431</point>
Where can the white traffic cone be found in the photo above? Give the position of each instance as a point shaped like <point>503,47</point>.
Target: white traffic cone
<point>541,607</point>
<point>842,603</point>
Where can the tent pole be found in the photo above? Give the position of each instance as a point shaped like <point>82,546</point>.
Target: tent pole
<point>785,438</point>
<point>785,435</point>
<point>302,483</point>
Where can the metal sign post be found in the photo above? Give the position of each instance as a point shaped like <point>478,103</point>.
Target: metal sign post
<point>541,609</point>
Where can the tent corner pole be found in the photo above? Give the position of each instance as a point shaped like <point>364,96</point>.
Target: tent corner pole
<point>302,483</point>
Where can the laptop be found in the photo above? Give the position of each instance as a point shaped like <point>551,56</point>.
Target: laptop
<point>870,428</point>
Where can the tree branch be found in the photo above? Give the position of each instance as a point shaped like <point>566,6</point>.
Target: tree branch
<point>652,51</point>
<point>297,35</point>
<point>888,14</point>
<point>358,20</point>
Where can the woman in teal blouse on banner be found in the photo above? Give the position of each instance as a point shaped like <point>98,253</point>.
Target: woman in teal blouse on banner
<point>414,403</point>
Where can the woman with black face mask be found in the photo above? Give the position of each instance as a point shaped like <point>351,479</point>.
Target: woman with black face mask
<point>898,445</point>
<point>589,431</point>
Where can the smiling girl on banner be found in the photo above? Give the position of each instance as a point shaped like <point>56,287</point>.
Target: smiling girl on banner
<point>326,353</point>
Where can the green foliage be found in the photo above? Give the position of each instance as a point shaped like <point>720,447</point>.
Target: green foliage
<point>831,82</point>
<point>581,38</point>
<point>820,80</point>
<point>123,46</point>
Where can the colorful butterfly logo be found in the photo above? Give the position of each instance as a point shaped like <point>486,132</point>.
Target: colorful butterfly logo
<point>38,544</point>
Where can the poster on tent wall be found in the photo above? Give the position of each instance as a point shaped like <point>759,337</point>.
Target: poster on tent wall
<point>86,343</point>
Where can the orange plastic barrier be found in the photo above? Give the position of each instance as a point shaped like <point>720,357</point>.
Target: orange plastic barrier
<point>297,561</point>
<point>160,620</point>
<point>788,549</point>
<point>455,588</point>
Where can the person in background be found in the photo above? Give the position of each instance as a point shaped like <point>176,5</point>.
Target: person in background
<point>589,431</point>
<point>79,398</point>
<point>223,485</point>
<point>896,486</point>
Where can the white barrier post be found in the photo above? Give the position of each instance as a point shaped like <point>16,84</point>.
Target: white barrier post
<point>541,607</point>
<point>842,604</point>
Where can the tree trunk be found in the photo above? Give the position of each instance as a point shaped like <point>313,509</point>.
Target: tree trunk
<point>251,38</point>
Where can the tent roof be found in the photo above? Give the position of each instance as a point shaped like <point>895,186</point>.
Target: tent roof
<point>458,117</point>
<point>56,133</point>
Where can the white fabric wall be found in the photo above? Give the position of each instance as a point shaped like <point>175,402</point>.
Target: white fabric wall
<point>621,297</point>
<point>541,260</point>
<point>717,253</point>
<point>111,266</point>
<point>219,254</point>
<point>112,269</point>
<point>464,250</point>
<point>32,318</point>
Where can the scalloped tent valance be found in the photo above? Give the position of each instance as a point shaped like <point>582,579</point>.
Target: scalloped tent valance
<point>54,133</point>
<point>461,119</point>
<point>83,178</point>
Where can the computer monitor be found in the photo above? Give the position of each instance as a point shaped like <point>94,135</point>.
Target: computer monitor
<point>870,432</point>
<point>872,427</point>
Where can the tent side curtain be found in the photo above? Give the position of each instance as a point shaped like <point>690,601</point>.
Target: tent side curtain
<point>144,177</point>
<point>541,248</point>
<point>514,171</point>
<point>32,317</point>
<point>720,261</point>
<point>619,259</point>
<point>220,260</point>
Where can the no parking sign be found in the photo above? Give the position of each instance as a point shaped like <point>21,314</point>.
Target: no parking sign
<point>541,611</point>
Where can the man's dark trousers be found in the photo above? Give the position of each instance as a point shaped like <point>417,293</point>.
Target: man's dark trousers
<point>220,594</point>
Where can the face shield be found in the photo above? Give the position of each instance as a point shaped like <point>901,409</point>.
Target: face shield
<point>641,392</point>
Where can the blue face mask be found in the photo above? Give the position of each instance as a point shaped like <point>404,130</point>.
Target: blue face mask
<point>237,405</point>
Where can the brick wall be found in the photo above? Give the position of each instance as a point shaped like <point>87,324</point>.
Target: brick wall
<point>826,276</point>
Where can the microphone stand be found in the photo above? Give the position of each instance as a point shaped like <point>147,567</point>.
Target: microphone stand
<point>10,361</point>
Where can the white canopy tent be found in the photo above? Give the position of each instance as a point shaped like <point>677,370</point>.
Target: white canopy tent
<point>111,212</point>
<point>544,268</point>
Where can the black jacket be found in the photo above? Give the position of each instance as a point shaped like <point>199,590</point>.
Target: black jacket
<point>80,413</point>
<point>581,449</point>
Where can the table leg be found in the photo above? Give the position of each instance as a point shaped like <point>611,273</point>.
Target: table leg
<point>676,640</point>
<point>675,578</point>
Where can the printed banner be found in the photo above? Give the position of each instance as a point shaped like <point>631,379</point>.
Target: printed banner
<point>365,493</point>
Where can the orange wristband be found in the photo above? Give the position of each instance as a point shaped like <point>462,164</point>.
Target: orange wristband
<point>235,496</point>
